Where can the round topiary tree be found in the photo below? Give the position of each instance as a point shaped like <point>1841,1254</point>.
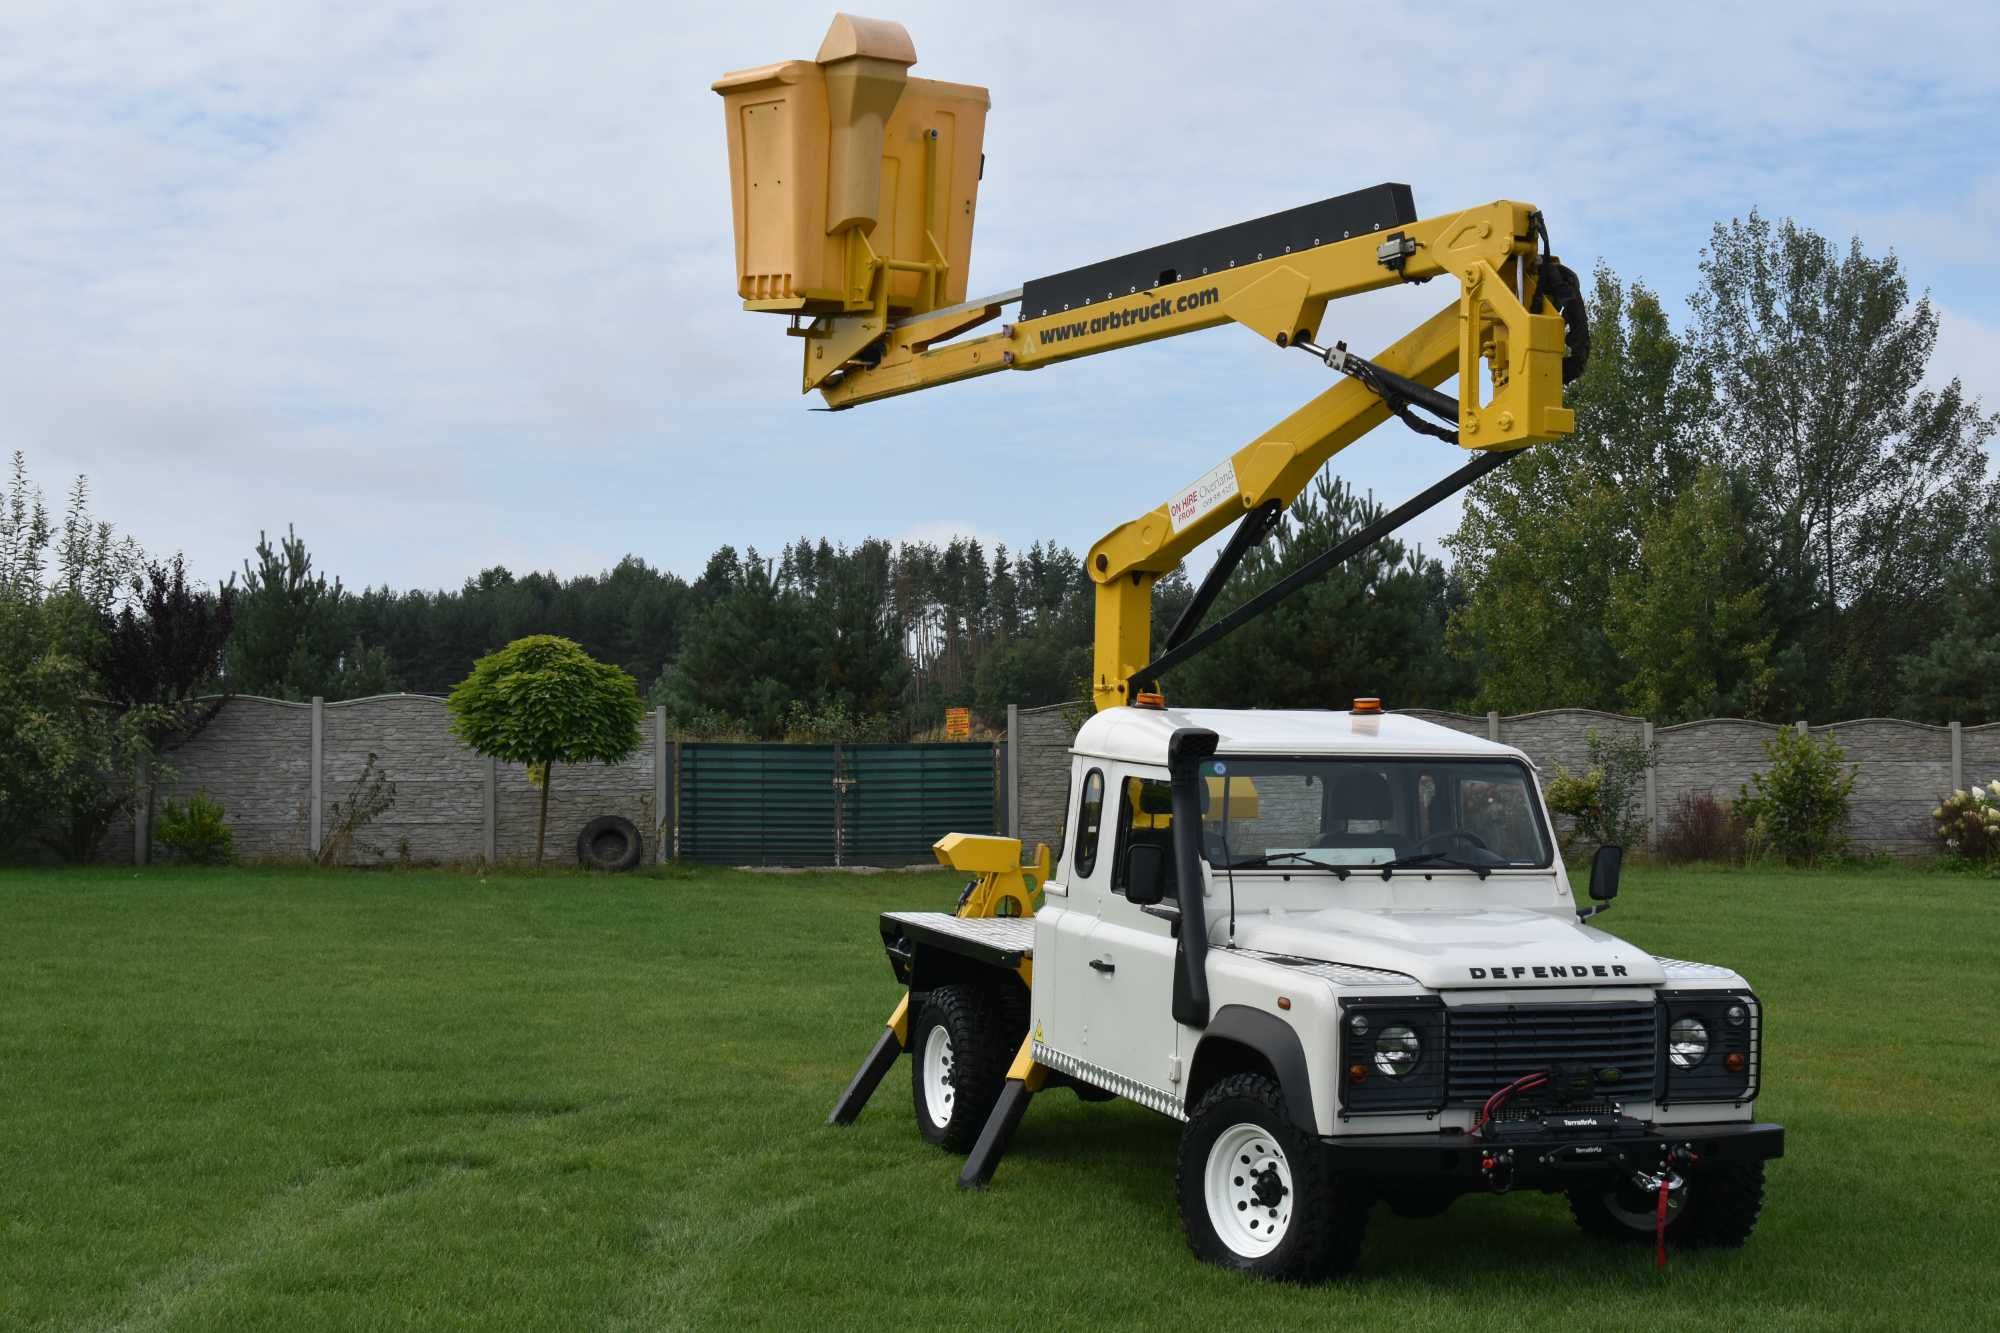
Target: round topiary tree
<point>543,701</point>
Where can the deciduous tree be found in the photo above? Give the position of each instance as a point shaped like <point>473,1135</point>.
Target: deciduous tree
<point>543,701</point>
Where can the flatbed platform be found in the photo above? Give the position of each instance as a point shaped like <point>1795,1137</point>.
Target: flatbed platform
<point>1003,941</point>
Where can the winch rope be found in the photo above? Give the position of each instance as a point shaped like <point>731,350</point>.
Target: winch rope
<point>1660,1223</point>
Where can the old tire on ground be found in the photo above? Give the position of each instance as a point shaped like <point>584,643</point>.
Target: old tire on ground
<point>959,1052</point>
<point>1718,1208</point>
<point>609,842</point>
<point>1256,1194</point>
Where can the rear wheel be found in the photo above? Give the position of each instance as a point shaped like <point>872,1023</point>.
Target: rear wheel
<point>959,1056</point>
<point>1255,1192</point>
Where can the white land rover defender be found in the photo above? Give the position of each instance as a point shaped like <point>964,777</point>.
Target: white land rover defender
<point>1342,948</point>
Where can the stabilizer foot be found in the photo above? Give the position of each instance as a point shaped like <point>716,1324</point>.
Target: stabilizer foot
<point>879,1062</point>
<point>992,1144</point>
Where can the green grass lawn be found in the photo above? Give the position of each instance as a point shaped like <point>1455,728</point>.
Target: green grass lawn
<point>269,1099</point>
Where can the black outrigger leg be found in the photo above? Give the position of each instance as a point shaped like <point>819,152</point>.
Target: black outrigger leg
<point>878,1064</point>
<point>1024,1080</point>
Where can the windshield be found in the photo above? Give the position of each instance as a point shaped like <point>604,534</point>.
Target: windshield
<point>1369,812</point>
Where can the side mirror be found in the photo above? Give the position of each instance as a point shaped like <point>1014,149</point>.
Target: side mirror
<point>1604,868</point>
<point>1145,873</point>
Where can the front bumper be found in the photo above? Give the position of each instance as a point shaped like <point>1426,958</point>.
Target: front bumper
<point>1456,1161</point>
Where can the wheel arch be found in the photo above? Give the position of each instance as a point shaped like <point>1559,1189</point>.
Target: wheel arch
<point>1240,1039</point>
<point>932,968</point>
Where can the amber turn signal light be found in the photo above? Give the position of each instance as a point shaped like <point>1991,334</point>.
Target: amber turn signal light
<point>1357,1073</point>
<point>1733,1062</point>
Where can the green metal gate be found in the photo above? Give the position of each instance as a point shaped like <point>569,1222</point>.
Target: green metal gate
<point>807,805</point>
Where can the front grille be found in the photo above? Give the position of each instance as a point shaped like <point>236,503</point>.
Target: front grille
<point>1492,1045</point>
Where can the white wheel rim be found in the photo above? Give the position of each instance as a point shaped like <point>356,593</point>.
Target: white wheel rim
<point>938,1093</point>
<point>1248,1188</point>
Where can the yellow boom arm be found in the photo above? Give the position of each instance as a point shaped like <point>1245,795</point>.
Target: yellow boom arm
<point>1484,250</point>
<point>865,290</point>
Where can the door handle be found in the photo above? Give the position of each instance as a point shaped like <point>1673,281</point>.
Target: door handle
<point>1103,965</point>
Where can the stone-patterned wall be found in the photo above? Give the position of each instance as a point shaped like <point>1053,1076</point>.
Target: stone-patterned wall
<point>578,794</point>
<point>256,758</point>
<point>440,812</point>
<point>1715,757</point>
<point>1904,766</point>
<point>1982,754</point>
<point>1040,746</point>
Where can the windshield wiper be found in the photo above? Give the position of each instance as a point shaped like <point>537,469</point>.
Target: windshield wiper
<point>1299,858</point>
<point>1438,859</point>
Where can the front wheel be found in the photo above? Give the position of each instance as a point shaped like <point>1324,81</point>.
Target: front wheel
<point>1717,1208</point>
<point>1255,1192</point>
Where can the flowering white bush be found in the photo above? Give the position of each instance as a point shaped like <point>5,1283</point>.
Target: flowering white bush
<point>1968,822</point>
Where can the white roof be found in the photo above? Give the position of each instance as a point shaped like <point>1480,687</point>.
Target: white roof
<point>1139,735</point>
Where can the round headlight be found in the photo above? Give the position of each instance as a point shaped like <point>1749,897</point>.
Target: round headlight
<point>1687,1042</point>
<point>1397,1051</point>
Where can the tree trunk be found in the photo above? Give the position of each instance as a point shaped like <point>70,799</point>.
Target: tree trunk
<point>542,825</point>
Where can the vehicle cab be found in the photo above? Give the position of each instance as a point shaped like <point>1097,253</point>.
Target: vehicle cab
<point>1369,913</point>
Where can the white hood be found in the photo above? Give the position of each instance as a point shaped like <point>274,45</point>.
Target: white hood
<point>1456,948</point>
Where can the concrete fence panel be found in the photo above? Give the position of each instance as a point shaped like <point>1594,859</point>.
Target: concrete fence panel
<point>1981,762</point>
<point>255,758</point>
<point>1904,767</point>
<point>440,784</point>
<point>1039,749</point>
<point>1713,757</point>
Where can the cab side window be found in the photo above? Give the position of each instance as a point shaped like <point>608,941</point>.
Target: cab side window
<point>1147,818</point>
<point>1089,822</point>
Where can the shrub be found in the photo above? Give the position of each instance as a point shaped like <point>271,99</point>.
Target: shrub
<point>1797,810</point>
<point>194,830</point>
<point>1968,823</point>
<point>1701,828</point>
<point>1601,800</point>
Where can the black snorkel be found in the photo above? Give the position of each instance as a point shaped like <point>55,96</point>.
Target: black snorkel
<point>1186,748</point>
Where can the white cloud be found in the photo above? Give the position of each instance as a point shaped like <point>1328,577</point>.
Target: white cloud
<point>450,284</point>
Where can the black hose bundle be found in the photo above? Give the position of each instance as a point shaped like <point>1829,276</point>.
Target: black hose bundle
<point>1558,282</point>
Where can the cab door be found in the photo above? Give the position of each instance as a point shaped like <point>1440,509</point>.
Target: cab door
<point>1069,914</point>
<point>1128,959</point>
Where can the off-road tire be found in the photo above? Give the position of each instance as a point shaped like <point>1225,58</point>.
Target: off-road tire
<point>609,842</point>
<point>977,1023</point>
<point>1730,1199</point>
<point>1721,1210</point>
<point>1329,1213</point>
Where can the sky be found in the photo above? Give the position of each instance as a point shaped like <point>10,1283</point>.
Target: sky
<point>450,285</point>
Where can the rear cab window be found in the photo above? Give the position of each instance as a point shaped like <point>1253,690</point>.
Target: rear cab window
<point>1089,823</point>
